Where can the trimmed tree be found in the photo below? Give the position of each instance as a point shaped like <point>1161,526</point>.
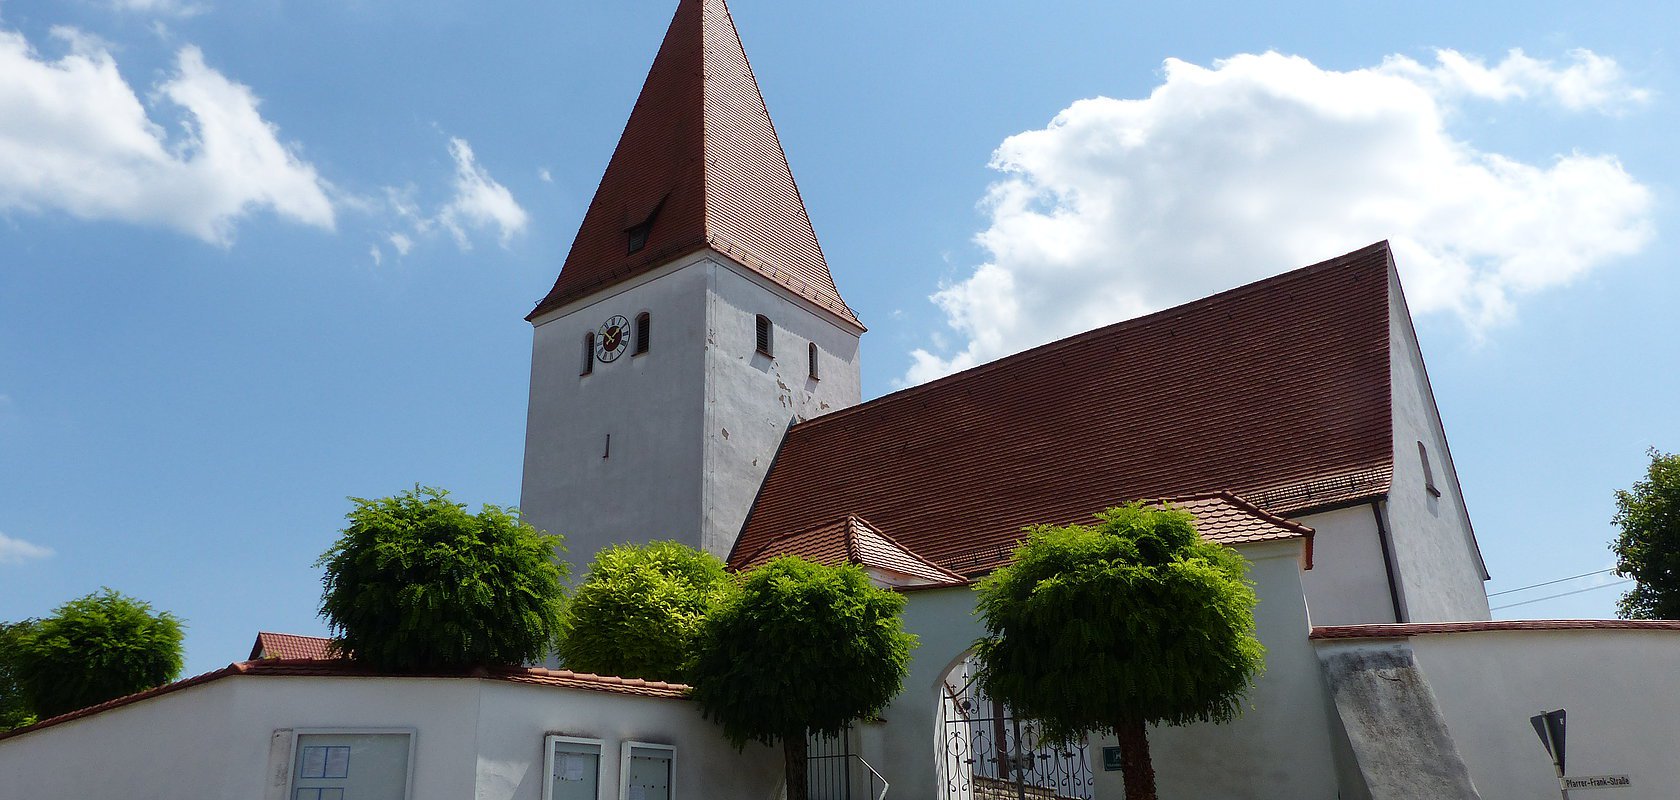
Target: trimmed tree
<point>418,584</point>
<point>95,648</point>
<point>639,608</point>
<point>1648,548</point>
<point>14,708</point>
<point>803,648</point>
<point>1112,627</point>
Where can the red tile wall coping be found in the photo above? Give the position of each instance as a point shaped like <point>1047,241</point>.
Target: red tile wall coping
<point>296,668</point>
<point>1278,392</point>
<point>700,159</point>
<point>1404,630</point>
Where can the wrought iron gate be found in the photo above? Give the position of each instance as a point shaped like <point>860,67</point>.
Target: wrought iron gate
<point>836,773</point>
<point>989,754</point>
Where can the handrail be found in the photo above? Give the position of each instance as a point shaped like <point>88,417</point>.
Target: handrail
<point>884,785</point>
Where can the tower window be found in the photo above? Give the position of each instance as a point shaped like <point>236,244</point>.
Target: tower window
<point>639,236</point>
<point>1428,474</point>
<point>811,354</point>
<point>644,328</point>
<point>588,353</point>
<point>766,336</point>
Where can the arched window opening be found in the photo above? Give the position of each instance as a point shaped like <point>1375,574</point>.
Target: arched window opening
<point>644,329</point>
<point>811,356</point>
<point>588,353</point>
<point>766,336</point>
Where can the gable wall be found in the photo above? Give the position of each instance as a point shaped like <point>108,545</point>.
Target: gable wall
<point>1348,584</point>
<point>1435,554</point>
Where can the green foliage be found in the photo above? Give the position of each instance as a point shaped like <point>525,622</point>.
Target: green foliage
<point>14,707</point>
<point>92,649</point>
<point>1648,548</point>
<point>1134,620</point>
<point>416,583</point>
<point>638,610</point>
<point>802,647</point>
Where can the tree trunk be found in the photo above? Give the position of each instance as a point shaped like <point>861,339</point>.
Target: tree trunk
<point>1137,769</point>
<point>794,754</point>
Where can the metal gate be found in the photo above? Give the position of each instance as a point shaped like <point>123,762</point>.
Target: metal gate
<point>836,773</point>
<point>989,754</point>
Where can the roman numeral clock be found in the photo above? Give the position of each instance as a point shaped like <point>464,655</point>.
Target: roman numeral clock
<point>610,340</point>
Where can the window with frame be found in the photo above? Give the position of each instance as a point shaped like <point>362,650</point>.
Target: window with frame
<point>351,765</point>
<point>1428,473</point>
<point>766,336</point>
<point>811,356</point>
<point>588,353</point>
<point>644,332</point>
<point>647,771</point>
<point>574,768</point>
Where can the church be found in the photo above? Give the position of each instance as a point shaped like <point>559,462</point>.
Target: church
<point>696,375</point>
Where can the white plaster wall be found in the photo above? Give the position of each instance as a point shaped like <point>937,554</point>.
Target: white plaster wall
<point>1348,584</point>
<point>1617,685</point>
<point>513,719</point>
<point>751,398</point>
<point>474,739</point>
<point>1435,554</point>
<point>1281,748</point>
<point>649,487</point>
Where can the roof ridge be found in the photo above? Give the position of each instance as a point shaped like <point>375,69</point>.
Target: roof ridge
<point>1069,341</point>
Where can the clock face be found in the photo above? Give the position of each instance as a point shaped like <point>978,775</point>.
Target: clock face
<point>611,339</point>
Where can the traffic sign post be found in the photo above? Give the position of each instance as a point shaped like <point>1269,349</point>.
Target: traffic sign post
<point>1550,727</point>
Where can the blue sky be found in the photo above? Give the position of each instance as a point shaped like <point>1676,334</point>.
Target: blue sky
<point>256,257</point>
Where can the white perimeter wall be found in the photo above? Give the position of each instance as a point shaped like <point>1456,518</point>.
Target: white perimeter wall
<point>1435,554</point>
<point>1280,749</point>
<point>1617,685</point>
<point>475,739</point>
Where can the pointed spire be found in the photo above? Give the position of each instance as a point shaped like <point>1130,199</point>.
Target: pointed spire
<point>698,165</point>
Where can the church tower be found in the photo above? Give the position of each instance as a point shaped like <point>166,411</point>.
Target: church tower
<point>693,320</point>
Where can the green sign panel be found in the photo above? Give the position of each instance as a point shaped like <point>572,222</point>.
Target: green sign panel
<point>1111,759</point>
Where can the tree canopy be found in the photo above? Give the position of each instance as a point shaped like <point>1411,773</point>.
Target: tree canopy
<point>92,649</point>
<point>639,608</point>
<point>1648,547</point>
<point>416,583</point>
<point>14,707</point>
<point>802,648</point>
<point>1108,628</point>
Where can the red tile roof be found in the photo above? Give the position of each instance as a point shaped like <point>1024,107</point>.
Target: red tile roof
<point>1277,392</point>
<point>1404,630</point>
<point>312,668</point>
<point>850,540</point>
<point>287,645</point>
<point>700,159</point>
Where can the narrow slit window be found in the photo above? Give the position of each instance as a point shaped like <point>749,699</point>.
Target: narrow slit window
<point>644,329</point>
<point>639,236</point>
<point>811,356</point>
<point>588,353</point>
<point>1428,473</point>
<point>766,336</point>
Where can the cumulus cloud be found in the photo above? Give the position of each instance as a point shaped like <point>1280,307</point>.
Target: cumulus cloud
<point>1264,162</point>
<point>75,137</point>
<point>18,551</point>
<point>480,202</point>
<point>1591,82</point>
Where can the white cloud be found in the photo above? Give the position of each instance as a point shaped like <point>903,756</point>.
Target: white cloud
<point>376,254</point>
<point>18,551</point>
<point>401,243</point>
<point>74,137</point>
<point>178,8</point>
<point>1590,83</point>
<point>544,175</point>
<point>480,202</point>
<point>1267,162</point>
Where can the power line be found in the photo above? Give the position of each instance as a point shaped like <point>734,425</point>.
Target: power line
<point>1564,594</point>
<point>1549,583</point>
